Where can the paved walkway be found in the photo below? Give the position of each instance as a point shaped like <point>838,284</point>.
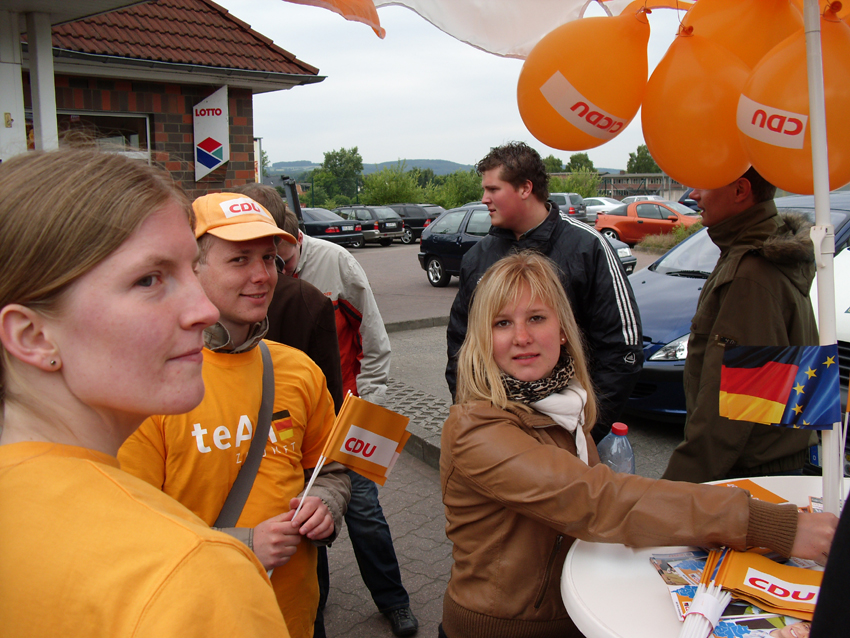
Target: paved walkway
<point>414,510</point>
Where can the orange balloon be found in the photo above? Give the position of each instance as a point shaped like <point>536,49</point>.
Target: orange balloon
<point>572,100</point>
<point>773,114</point>
<point>688,114</point>
<point>843,12</point>
<point>748,29</point>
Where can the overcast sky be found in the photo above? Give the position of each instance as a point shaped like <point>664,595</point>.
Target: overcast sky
<point>416,94</point>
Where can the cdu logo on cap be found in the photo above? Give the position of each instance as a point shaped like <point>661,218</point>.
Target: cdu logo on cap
<point>243,206</point>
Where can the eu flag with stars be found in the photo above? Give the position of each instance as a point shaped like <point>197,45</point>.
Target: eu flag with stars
<point>795,386</point>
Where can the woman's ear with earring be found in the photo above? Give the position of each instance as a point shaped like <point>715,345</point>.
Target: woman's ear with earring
<point>23,334</point>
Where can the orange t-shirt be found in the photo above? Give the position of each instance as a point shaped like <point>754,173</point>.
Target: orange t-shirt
<point>195,457</point>
<point>90,551</point>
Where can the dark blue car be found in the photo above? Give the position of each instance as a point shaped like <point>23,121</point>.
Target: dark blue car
<point>667,293</point>
<point>452,234</point>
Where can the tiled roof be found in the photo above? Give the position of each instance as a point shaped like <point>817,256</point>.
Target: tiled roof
<point>196,32</point>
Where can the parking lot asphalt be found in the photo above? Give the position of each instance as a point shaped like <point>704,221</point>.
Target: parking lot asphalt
<point>416,315</point>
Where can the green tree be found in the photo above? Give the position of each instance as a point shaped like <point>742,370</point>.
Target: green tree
<point>264,164</point>
<point>456,189</point>
<point>641,161</point>
<point>323,186</point>
<point>583,181</point>
<point>579,161</point>
<point>389,186</point>
<point>346,167</point>
<point>423,176</point>
<point>553,164</point>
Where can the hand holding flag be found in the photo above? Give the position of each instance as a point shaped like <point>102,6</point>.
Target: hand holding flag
<point>365,438</point>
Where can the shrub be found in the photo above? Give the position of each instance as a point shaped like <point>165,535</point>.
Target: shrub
<point>660,244</point>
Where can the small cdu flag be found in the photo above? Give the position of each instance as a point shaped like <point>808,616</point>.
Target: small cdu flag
<point>795,386</point>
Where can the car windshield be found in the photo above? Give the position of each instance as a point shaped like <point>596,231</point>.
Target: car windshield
<point>320,215</point>
<point>384,212</point>
<point>682,209</point>
<point>575,198</point>
<point>697,256</point>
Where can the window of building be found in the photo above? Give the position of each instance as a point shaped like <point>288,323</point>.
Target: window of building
<point>124,133</point>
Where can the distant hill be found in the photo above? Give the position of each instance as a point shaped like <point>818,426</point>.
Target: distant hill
<point>440,167</point>
<point>290,164</point>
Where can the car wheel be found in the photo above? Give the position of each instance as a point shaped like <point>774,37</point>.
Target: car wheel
<point>610,233</point>
<point>359,242</point>
<point>437,275</point>
<point>385,242</point>
<point>407,236</point>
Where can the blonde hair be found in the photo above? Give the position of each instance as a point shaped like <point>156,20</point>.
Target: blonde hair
<point>479,378</point>
<point>63,212</point>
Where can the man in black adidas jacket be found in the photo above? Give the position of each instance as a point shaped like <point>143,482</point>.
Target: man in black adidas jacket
<point>516,189</point>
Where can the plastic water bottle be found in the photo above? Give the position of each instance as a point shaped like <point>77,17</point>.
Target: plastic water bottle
<point>616,451</point>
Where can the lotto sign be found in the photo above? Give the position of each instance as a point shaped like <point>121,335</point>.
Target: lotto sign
<point>212,133</point>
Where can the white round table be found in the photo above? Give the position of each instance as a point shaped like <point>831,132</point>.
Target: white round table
<point>612,591</point>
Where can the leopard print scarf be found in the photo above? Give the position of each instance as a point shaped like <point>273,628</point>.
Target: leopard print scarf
<point>531,391</point>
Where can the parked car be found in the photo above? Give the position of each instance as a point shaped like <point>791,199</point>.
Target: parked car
<point>641,198</point>
<point>596,205</point>
<point>324,224</point>
<point>667,293</point>
<point>571,205</point>
<point>632,222</point>
<point>416,217</point>
<point>687,200</point>
<point>447,240</point>
<point>380,224</point>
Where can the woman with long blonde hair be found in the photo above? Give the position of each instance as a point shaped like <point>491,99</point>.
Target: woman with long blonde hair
<point>101,325</point>
<point>521,478</point>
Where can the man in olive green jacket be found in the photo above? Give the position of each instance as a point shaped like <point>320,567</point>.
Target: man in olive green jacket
<point>757,295</point>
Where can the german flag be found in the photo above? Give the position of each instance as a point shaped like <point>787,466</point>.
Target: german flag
<point>282,423</point>
<point>794,385</point>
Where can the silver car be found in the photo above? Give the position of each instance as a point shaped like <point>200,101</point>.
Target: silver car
<point>596,205</point>
<point>642,198</point>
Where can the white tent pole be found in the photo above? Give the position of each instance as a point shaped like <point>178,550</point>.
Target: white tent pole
<point>823,236</point>
<point>13,129</point>
<point>42,82</point>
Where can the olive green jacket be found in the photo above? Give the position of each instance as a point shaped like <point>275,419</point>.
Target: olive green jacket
<point>757,295</point>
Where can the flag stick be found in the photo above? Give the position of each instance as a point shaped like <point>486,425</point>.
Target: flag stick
<point>316,471</point>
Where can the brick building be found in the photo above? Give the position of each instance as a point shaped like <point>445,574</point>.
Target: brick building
<point>130,79</point>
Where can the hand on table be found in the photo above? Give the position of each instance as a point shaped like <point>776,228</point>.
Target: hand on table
<point>814,536</point>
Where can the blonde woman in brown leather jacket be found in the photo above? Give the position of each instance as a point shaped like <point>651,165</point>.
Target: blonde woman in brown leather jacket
<point>521,478</point>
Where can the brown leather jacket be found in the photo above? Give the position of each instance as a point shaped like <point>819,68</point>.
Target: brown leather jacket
<point>516,497</point>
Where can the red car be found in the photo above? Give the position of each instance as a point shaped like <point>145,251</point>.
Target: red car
<point>632,222</point>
